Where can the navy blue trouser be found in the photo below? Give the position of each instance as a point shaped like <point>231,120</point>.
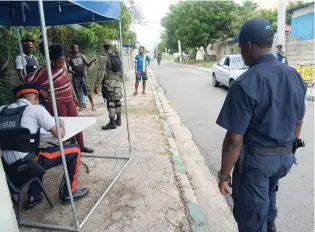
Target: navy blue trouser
<point>254,191</point>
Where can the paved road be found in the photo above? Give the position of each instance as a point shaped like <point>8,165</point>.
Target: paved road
<point>198,103</point>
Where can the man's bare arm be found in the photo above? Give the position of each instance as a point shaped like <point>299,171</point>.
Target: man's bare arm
<point>54,131</point>
<point>231,149</point>
<point>298,129</point>
<point>21,74</point>
<point>88,64</point>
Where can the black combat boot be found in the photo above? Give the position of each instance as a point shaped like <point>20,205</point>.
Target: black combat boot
<point>118,120</point>
<point>271,226</point>
<point>111,125</point>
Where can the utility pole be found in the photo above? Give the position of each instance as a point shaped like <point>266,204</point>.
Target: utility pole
<point>281,23</point>
<point>180,51</point>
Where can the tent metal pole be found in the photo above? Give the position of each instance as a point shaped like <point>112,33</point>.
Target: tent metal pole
<point>21,51</point>
<point>47,226</point>
<point>53,98</point>
<point>104,156</point>
<point>124,86</point>
<point>104,194</point>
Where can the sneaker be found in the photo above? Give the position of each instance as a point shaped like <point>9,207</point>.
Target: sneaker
<point>77,195</point>
<point>32,201</point>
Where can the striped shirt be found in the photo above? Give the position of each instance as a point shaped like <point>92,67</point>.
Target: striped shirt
<point>61,79</point>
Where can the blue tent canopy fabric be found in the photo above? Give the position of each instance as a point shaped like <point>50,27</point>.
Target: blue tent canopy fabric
<point>25,13</point>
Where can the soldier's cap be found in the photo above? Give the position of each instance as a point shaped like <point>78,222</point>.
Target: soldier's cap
<point>107,42</point>
<point>25,89</point>
<point>279,46</point>
<point>28,42</point>
<point>255,30</point>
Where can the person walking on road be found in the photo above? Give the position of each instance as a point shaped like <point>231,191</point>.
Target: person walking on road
<point>263,115</point>
<point>111,84</point>
<point>142,61</point>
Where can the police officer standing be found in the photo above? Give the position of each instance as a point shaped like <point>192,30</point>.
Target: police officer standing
<point>263,115</point>
<point>30,62</point>
<point>110,70</point>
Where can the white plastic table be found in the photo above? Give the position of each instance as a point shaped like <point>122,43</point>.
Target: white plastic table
<point>73,126</point>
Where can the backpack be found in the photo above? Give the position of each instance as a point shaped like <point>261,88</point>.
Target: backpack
<point>115,62</point>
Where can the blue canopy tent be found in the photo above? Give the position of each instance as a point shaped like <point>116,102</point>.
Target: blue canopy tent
<point>52,13</point>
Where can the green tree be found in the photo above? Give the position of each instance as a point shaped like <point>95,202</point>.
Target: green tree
<point>198,23</point>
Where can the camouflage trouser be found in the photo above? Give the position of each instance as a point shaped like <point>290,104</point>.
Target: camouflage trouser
<point>113,96</point>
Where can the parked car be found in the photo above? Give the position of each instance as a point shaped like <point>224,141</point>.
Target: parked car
<point>227,69</point>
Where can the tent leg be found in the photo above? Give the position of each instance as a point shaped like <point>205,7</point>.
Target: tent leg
<point>124,87</point>
<point>21,50</point>
<point>53,97</point>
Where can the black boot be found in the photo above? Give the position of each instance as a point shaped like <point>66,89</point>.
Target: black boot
<point>111,125</point>
<point>271,226</point>
<point>118,120</point>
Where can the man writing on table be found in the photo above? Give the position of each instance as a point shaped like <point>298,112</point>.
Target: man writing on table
<point>35,117</point>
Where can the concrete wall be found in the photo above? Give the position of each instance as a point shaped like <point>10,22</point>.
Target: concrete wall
<point>298,51</point>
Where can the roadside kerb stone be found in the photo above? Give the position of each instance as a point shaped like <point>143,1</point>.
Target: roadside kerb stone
<point>207,70</point>
<point>214,207</point>
<point>193,210</point>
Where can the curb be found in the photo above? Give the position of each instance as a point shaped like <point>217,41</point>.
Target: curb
<point>196,218</point>
<point>310,98</point>
<point>207,208</point>
<point>206,70</point>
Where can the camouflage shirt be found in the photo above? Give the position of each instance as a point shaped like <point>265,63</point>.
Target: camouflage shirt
<point>105,75</point>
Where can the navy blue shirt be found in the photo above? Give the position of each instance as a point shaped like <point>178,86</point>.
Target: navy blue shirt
<point>264,104</point>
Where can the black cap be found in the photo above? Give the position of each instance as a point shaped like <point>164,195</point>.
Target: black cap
<point>255,30</point>
<point>28,42</point>
<point>279,46</point>
<point>25,89</point>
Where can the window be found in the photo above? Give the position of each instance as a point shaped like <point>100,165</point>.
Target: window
<point>227,62</point>
<point>221,62</point>
<point>238,63</point>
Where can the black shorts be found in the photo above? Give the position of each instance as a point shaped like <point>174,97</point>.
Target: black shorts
<point>81,83</point>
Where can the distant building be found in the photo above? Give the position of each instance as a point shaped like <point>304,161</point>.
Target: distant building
<point>302,23</point>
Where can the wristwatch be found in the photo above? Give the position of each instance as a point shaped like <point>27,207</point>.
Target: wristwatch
<point>223,178</point>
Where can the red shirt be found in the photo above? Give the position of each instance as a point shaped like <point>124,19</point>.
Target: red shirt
<point>61,80</point>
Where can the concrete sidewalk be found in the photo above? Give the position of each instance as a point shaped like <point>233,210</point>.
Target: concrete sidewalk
<point>146,198</point>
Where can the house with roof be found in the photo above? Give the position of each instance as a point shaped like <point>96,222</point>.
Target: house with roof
<point>300,41</point>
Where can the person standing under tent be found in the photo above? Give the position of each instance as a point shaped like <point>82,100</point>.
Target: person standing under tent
<point>30,62</point>
<point>66,98</point>
<point>141,63</point>
<point>111,85</point>
<point>79,76</point>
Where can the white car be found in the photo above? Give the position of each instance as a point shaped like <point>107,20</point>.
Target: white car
<point>227,69</point>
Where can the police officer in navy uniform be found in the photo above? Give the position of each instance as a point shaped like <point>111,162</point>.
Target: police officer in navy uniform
<point>34,117</point>
<point>263,115</point>
<point>29,60</point>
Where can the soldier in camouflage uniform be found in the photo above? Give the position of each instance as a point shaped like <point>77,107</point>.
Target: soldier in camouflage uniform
<point>111,87</point>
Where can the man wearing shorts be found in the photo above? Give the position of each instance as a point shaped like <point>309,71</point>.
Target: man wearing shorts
<point>79,77</point>
<point>141,63</point>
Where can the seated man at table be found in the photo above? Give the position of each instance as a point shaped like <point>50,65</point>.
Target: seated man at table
<point>34,117</point>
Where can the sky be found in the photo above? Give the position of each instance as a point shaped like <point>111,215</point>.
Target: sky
<point>153,11</point>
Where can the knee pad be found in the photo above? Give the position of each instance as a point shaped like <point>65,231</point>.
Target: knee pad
<point>117,103</point>
<point>111,105</point>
